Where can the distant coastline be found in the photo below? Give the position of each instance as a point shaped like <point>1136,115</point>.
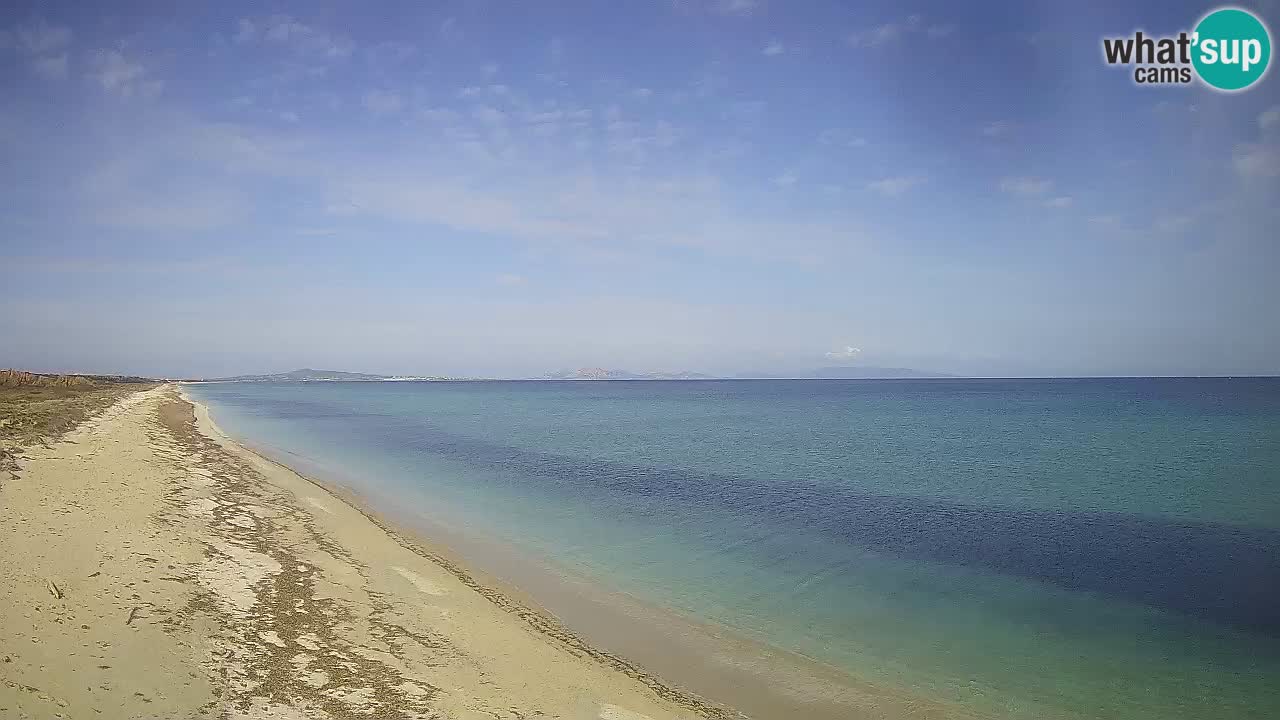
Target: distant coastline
<point>648,642</point>
<point>590,374</point>
<point>601,375</point>
<point>648,488</point>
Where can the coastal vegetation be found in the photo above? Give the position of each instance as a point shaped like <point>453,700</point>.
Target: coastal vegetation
<point>38,407</point>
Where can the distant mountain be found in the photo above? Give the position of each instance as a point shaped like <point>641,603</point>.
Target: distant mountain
<point>607,374</point>
<point>681,375</point>
<point>868,372</point>
<point>308,375</point>
<point>590,373</point>
<point>845,372</point>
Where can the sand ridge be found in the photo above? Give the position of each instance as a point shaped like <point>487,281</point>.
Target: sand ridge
<point>149,567</point>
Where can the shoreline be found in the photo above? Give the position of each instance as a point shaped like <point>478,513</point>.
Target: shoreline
<point>509,598</point>
<point>167,570</point>
<point>163,573</point>
<point>721,672</point>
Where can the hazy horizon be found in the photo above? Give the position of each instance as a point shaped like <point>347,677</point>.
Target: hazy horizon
<point>797,374</point>
<point>725,186</point>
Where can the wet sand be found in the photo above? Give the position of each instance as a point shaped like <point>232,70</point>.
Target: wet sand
<point>151,567</point>
<point>752,678</point>
<point>151,570</point>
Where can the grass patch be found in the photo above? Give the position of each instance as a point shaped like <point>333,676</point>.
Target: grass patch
<point>37,408</point>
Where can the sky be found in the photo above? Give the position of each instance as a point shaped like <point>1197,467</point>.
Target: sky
<point>487,188</point>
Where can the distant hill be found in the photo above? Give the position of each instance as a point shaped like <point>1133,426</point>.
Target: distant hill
<point>308,375</point>
<point>606,374</point>
<point>681,375</point>
<point>19,378</point>
<point>849,372</point>
<point>846,372</point>
<point>856,372</point>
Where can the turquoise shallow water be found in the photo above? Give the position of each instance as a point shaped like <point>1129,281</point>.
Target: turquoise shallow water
<point>1103,548</point>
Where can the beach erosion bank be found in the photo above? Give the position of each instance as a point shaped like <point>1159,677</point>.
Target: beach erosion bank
<point>155,568</point>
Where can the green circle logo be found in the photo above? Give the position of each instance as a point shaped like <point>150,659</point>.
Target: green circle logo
<point>1231,49</point>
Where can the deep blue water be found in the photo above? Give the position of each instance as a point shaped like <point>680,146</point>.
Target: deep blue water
<point>1099,547</point>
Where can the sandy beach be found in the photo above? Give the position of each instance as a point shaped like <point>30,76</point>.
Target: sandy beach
<point>153,568</point>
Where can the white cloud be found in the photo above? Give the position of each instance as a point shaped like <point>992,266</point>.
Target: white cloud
<point>1062,201</point>
<point>177,175</point>
<point>785,180</point>
<point>599,216</point>
<point>183,212</point>
<point>121,76</point>
<point>449,29</point>
<point>841,137</point>
<point>892,31</point>
<point>745,111</point>
<point>53,67</point>
<point>635,142</point>
<point>490,116</point>
<point>1269,118</point>
<point>43,44</point>
<point>304,39</point>
<point>511,279</point>
<point>126,192</point>
<point>738,7</point>
<point>618,211</point>
<point>539,118</point>
<point>36,38</point>
<point>848,352</point>
<point>894,186</point>
<point>642,93</point>
<point>998,128</point>
<point>1260,159</point>
<point>1173,223</point>
<point>1025,186</point>
<point>248,31</point>
<point>1174,109</point>
<point>774,48</point>
<point>443,116</point>
<point>876,36</point>
<point>390,53</point>
<point>1257,160</point>
<point>382,102</point>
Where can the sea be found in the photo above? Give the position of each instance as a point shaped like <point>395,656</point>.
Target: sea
<point>1092,548</point>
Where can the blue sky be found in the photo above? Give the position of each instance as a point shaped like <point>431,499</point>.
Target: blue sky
<point>498,188</point>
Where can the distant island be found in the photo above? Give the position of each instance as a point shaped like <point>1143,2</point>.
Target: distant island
<point>869,372</point>
<point>309,375</point>
<point>852,372</point>
<point>604,374</point>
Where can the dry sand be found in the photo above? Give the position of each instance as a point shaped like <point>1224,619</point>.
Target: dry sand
<point>151,568</point>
